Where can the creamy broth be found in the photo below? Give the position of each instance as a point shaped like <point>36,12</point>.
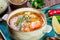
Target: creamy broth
<point>26,21</point>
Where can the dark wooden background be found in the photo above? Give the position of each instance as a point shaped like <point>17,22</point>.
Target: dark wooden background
<point>47,3</point>
<point>51,2</point>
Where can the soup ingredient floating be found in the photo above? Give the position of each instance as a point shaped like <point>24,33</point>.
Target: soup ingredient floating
<point>27,21</point>
<point>54,12</point>
<point>56,25</point>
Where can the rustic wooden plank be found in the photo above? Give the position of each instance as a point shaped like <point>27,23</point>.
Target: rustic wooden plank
<point>57,1</point>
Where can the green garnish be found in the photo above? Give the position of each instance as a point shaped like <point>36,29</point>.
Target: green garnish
<point>58,17</point>
<point>37,3</point>
<point>49,18</point>
<point>20,20</point>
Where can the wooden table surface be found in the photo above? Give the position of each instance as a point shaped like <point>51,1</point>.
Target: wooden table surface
<point>47,3</point>
<point>51,2</point>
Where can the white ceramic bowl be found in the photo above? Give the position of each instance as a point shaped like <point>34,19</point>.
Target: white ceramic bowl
<point>3,6</point>
<point>33,35</point>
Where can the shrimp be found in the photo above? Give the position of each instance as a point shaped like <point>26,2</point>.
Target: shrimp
<point>35,25</point>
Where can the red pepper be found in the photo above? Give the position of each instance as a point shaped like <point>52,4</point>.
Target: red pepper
<point>53,12</point>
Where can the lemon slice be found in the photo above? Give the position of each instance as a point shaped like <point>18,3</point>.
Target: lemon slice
<point>56,25</point>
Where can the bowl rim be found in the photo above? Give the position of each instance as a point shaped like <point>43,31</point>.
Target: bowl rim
<point>25,9</point>
<point>18,4</point>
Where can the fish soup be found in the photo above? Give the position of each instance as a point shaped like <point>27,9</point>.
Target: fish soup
<point>26,21</point>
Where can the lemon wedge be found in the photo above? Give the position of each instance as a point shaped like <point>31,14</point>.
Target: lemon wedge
<point>56,25</point>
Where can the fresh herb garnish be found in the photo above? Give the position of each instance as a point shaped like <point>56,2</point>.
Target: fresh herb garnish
<point>58,17</point>
<point>37,3</point>
<point>20,20</point>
